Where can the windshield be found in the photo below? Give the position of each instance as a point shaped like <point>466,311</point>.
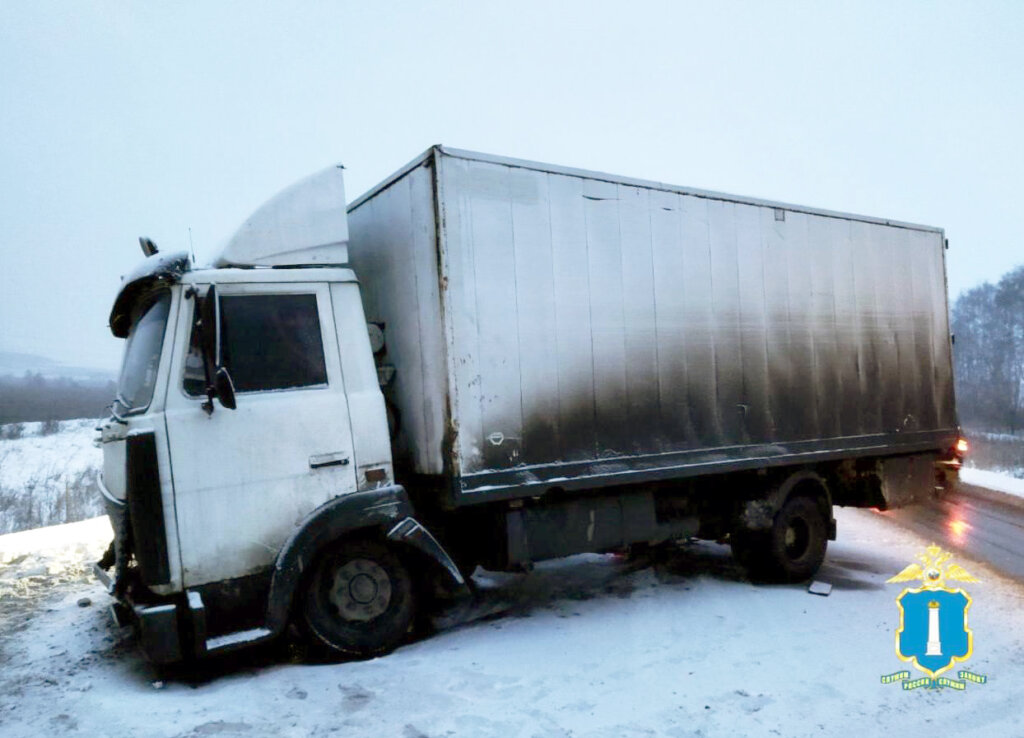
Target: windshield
<point>142,354</point>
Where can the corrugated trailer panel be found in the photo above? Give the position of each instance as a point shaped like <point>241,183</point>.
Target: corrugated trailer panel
<point>690,330</point>
<point>571,317</point>
<point>600,330</point>
<point>393,252</point>
<point>535,286</point>
<point>638,316</point>
<point>483,303</point>
<point>687,330</point>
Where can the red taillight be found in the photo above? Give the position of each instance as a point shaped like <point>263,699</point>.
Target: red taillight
<point>961,446</point>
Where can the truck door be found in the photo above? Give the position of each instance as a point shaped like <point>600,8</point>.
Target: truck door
<point>244,478</point>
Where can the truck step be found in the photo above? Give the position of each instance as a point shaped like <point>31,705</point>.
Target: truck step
<point>239,638</point>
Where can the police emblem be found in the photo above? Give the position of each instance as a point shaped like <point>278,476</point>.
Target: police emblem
<point>933,633</point>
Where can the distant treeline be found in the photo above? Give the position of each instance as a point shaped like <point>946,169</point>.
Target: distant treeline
<point>33,397</point>
<point>988,354</point>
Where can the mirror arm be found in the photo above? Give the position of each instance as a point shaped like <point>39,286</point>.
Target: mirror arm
<point>198,321</point>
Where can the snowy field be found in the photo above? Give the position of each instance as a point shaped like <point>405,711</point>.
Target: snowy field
<point>49,478</point>
<point>587,646</point>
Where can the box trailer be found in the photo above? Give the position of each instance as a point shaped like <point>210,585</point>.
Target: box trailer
<point>491,362</point>
<point>558,328</point>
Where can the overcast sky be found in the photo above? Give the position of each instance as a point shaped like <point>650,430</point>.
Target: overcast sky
<point>125,119</point>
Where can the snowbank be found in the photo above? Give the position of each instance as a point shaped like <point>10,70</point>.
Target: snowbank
<point>997,480</point>
<point>54,539</point>
<point>34,562</point>
<point>587,646</point>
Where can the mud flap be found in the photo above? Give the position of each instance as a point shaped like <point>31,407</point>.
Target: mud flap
<point>907,479</point>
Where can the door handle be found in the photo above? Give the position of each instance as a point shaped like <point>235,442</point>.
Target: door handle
<point>319,461</point>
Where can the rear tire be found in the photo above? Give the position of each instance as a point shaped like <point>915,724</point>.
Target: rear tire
<point>792,550</point>
<point>358,600</point>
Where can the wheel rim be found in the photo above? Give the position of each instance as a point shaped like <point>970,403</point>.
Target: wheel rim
<point>361,590</point>
<point>797,538</point>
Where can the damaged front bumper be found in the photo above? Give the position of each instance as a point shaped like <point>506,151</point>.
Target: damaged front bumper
<point>157,624</point>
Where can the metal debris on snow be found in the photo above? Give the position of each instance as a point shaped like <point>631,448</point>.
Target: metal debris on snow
<point>820,588</point>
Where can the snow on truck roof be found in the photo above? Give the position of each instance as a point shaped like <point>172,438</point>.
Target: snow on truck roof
<point>439,150</point>
<point>152,271</point>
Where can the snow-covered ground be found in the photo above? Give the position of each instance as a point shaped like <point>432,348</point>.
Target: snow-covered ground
<point>997,480</point>
<point>68,451</point>
<point>48,479</point>
<point>587,646</point>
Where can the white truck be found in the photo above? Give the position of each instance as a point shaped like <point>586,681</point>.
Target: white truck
<point>491,362</point>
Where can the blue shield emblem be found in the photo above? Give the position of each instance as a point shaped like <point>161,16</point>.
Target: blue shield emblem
<point>933,631</point>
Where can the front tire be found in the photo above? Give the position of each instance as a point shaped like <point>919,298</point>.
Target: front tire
<point>358,600</point>
<point>792,550</point>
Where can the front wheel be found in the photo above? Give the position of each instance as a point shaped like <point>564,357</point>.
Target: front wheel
<point>792,550</point>
<point>358,600</point>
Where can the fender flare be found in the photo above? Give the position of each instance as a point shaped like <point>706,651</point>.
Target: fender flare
<point>412,533</point>
<point>386,510</point>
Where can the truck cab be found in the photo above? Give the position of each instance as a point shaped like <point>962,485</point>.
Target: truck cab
<point>248,403</point>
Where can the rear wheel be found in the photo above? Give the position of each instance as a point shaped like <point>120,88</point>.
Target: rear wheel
<point>792,550</point>
<point>358,600</point>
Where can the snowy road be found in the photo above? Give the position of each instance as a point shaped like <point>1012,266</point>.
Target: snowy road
<point>587,646</point>
<point>985,529</point>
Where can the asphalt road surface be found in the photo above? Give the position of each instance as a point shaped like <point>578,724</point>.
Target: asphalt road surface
<point>988,530</point>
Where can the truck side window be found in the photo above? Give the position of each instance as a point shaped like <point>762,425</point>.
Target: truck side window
<point>268,342</point>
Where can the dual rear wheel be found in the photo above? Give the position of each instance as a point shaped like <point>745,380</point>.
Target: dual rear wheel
<point>792,549</point>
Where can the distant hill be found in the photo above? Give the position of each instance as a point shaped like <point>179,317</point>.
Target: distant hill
<point>14,364</point>
<point>35,388</point>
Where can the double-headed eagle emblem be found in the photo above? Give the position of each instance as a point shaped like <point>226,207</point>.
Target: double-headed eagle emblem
<point>933,571</point>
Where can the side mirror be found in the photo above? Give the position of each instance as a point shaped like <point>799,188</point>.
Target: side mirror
<point>224,388</point>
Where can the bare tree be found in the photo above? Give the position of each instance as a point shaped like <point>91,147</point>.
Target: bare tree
<point>988,323</point>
